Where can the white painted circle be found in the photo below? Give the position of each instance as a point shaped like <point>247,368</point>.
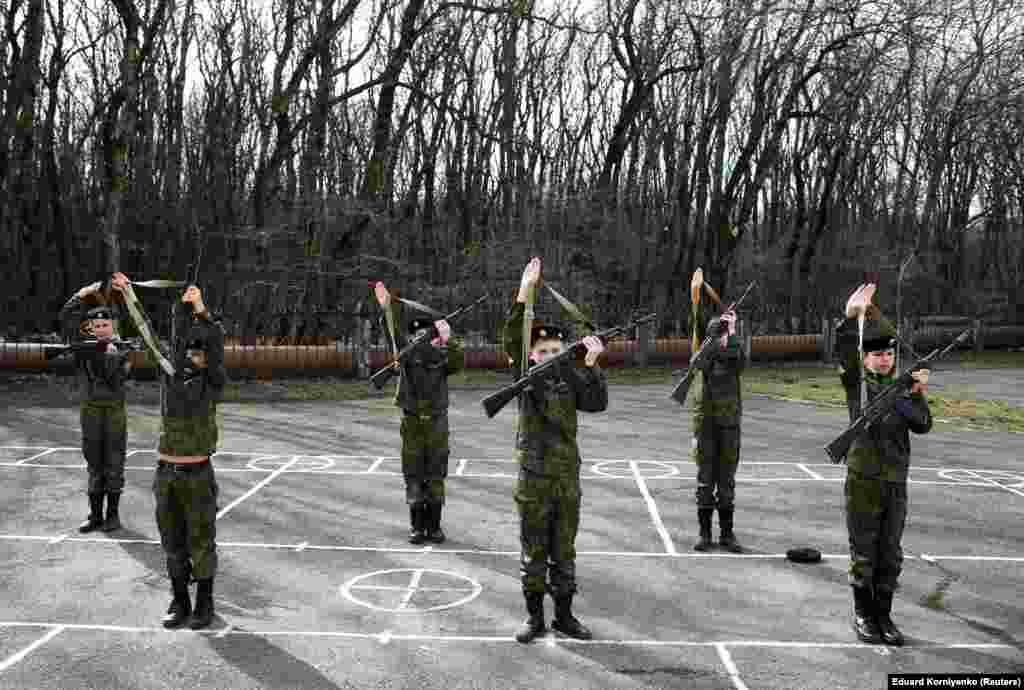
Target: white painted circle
<point>626,465</point>
<point>276,462</point>
<point>1000,477</point>
<point>406,594</point>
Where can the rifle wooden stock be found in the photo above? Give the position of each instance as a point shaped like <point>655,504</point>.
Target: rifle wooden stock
<point>493,403</point>
<point>883,403</point>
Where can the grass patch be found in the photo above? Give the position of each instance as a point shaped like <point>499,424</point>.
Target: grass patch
<point>934,600</point>
<point>993,359</point>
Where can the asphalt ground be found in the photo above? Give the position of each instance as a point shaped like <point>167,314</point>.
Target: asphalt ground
<point>317,587</point>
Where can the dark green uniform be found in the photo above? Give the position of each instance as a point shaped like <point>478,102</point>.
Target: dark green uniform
<point>186,493</point>
<point>101,379</point>
<point>717,413</point>
<point>876,476</point>
<point>422,395</point>
<point>548,490</point>
<point>876,485</point>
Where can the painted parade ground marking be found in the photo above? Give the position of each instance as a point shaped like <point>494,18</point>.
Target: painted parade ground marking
<point>1006,479</point>
<point>303,463</point>
<point>459,588</point>
<point>630,469</point>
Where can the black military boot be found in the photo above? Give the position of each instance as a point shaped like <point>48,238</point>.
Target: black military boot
<point>886,628</point>
<point>565,622</point>
<point>417,518</point>
<point>203,614</point>
<point>113,520</point>
<point>95,519</point>
<point>181,607</point>
<point>534,625</point>
<point>434,531</point>
<point>727,539</point>
<point>864,615</point>
<point>704,518</point>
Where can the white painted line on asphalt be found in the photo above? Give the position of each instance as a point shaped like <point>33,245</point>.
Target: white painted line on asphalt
<point>809,471</point>
<point>995,483</point>
<point>18,656</point>
<point>782,644</point>
<point>730,667</point>
<point>224,632</point>
<point>259,485</point>
<point>460,468</point>
<point>373,466</point>
<point>36,456</point>
<point>400,588</point>
<point>414,584</point>
<point>58,539</point>
<point>652,508</point>
<point>305,545</point>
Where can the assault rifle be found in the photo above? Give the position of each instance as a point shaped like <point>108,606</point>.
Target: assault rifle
<point>381,378</point>
<point>494,402</point>
<point>884,402</point>
<point>89,347</point>
<point>704,352</point>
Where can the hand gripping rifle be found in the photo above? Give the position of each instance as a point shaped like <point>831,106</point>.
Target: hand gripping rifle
<point>884,402</point>
<point>494,402</point>
<point>705,351</point>
<point>89,347</point>
<point>384,375</point>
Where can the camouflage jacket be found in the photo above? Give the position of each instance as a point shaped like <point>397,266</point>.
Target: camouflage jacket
<point>191,395</point>
<point>101,376</point>
<point>883,452</point>
<point>719,396</point>
<point>423,387</point>
<point>546,432</point>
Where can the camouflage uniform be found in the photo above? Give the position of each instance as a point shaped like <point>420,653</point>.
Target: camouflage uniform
<point>717,414</point>
<point>876,478</point>
<point>548,490</point>
<point>876,475</point>
<point>101,378</point>
<point>186,493</point>
<point>422,395</point>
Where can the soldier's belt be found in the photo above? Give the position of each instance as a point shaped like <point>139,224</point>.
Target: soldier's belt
<point>184,466</point>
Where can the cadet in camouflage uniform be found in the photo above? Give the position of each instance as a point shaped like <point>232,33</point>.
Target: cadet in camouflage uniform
<point>422,394</point>
<point>548,490</point>
<point>877,467</point>
<point>102,375</point>
<point>184,485</point>
<point>717,413</point>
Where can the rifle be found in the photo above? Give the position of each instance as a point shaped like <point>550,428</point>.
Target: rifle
<point>883,403</point>
<point>384,375</point>
<point>682,389</point>
<point>88,347</point>
<point>494,402</point>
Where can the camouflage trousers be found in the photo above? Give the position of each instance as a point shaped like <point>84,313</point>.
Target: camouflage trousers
<point>876,512</point>
<point>549,517</point>
<point>186,514</point>
<point>104,436</point>
<point>716,450</point>
<point>424,457</point>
